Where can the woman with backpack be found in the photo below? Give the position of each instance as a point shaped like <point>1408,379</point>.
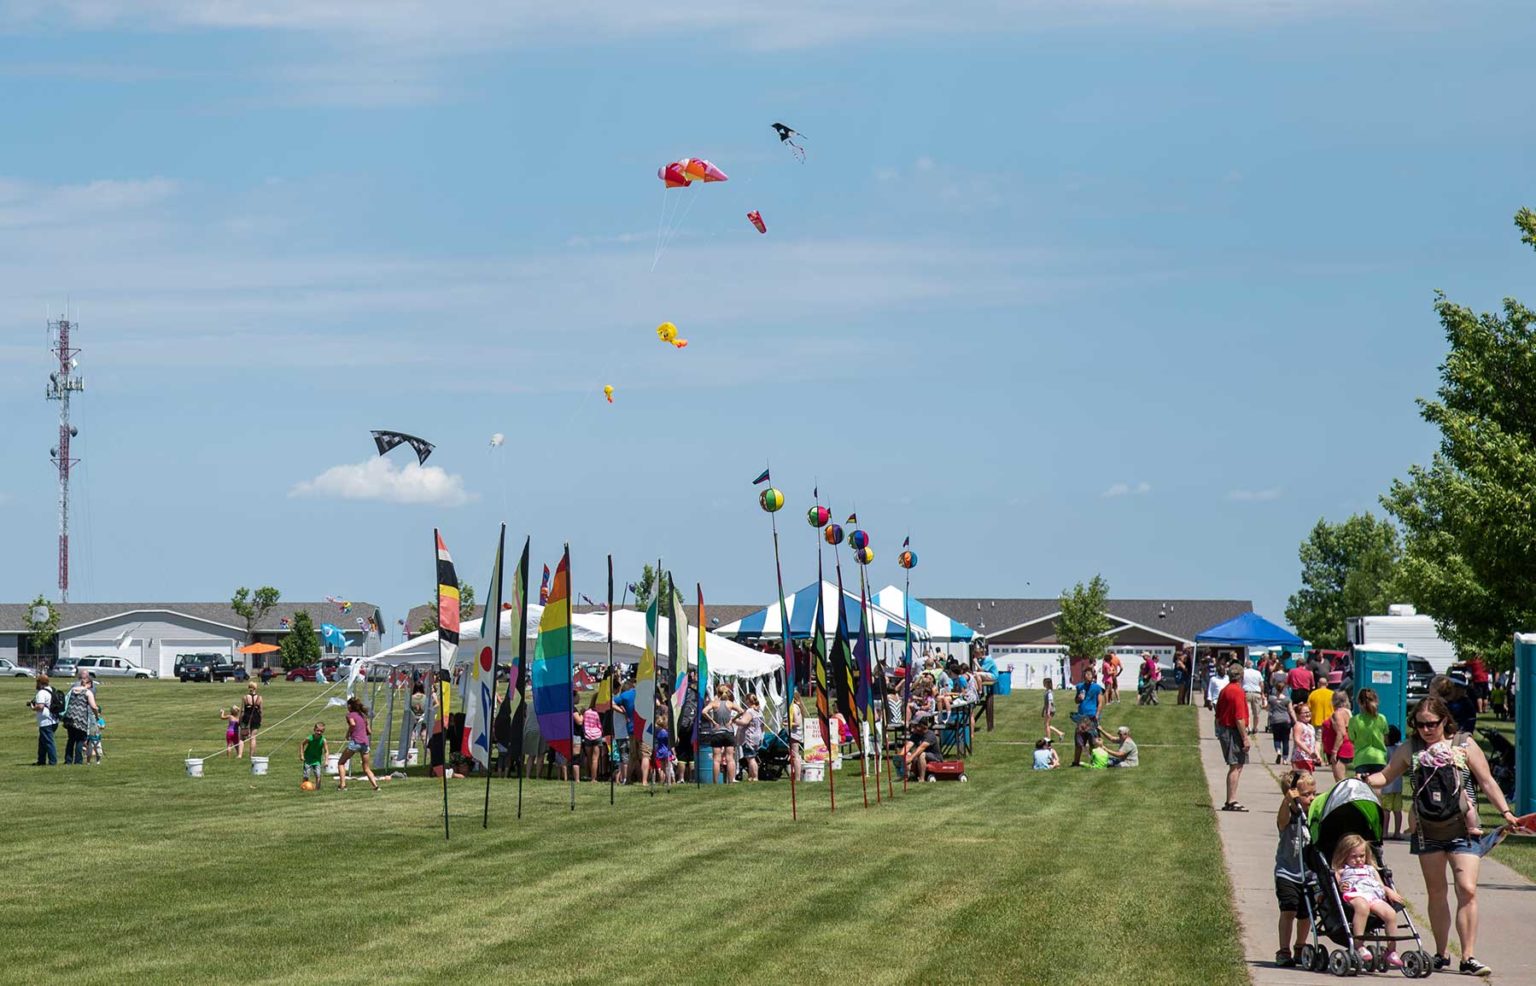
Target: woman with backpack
<point>1440,835</point>
<point>48,704</point>
<point>79,717</point>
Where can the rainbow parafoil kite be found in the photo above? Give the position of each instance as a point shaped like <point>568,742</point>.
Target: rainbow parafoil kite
<point>688,170</point>
<point>667,332</point>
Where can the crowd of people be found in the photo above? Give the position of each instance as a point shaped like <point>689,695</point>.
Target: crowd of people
<point>1313,725</point>
<point>76,708</point>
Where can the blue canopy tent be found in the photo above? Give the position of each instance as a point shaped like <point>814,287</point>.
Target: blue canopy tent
<point>802,613</point>
<point>1247,630</point>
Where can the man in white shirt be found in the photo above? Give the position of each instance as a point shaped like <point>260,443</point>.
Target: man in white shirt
<point>1253,691</point>
<point>42,704</point>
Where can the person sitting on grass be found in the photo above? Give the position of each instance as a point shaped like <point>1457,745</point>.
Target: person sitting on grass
<point>1300,789</point>
<point>1045,755</point>
<point>1365,894</point>
<point>1128,754</point>
<point>1098,757</point>
<point>921,749</point>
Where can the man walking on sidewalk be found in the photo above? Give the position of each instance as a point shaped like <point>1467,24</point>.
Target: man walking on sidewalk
<point>1232,732</point>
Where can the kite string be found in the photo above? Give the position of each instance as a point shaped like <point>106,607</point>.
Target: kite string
<point>279,722</point>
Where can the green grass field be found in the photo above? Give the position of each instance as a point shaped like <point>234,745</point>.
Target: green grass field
<point>131,871</point>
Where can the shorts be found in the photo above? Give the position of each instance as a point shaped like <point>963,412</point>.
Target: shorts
<point>748,752</point>
<point>685,752</point>
<point>231,738</point>
<point>1289,894</point>
<point>1391,802</point>
<point>357,747</point>
<point>1232,749</point>
<point>722,741</point>
<point>1087,728</point>
<point>311,772</point>
<point>1308,765</point>
<point>588,745</point>
<point>1419,846</point>
<point>1299,695</point>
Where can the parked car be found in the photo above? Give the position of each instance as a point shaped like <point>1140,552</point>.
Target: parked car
<point>209,667</point>
<point>113,667</point>
<point>63,667</point>
<point>332,666</point>
<point>10,669</point>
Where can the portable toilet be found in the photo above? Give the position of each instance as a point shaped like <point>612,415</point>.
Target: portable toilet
<point>1384,667</point>
<point>1525,723</point>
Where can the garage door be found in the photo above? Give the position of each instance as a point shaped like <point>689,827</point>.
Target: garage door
<point>169,649</point>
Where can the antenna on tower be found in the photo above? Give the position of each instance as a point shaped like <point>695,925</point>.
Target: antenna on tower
<point>61,383</point>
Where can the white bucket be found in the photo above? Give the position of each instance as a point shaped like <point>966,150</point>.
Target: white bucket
<point>194,767</point>
<point>333,764</point>
<point>396,760</point>
<point>413,756</point>
<point>813,772</point>
<point>259,765</point>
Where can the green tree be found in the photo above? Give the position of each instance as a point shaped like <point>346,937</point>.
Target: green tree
<point>302,645</point>
<point>1082,628</point>
<point>1347,569</point>
<point>1469,517</point>
<point>40,633</point>
<point>645,587</point>
<point>466,609</point>
<point>252,606</point>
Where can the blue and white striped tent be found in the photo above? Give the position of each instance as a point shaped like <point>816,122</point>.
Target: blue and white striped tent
<point>925,620</point>
<point>802,617</point>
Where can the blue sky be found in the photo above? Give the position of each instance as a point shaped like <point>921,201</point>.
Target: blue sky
<point>1061,288</point>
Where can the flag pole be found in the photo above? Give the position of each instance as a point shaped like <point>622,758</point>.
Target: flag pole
<point>437,687</point>
<point>789,662</point>
<point>842,605</point>
<point>570,672</point>
<point>612,774</point>
<point>906,678</point>
<point>867,625</point>
<point>649,765</point>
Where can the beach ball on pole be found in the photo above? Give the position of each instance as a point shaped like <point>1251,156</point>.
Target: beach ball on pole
<point>818,516</point>
<point>864,555</point>
<point>771,500</point>
<point>858,540</point>
<point>907,559</point>
<point>833,534</point>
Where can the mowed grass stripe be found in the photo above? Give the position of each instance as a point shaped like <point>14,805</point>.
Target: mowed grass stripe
<point>1017,877</point>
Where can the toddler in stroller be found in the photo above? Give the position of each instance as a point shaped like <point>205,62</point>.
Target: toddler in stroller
<point>1353,903</point>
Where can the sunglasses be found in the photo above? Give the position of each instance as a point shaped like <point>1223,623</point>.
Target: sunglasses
<point>1427,723</point>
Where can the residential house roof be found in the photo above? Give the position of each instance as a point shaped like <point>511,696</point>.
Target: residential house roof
<point>13,616</point>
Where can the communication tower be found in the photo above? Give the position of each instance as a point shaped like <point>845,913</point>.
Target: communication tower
<point>61,383</point>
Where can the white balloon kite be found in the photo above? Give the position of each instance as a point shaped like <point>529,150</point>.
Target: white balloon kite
<point>498,440</point>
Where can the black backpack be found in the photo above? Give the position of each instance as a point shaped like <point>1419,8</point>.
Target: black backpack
<point>1437,800</point>
<point>55,702</point>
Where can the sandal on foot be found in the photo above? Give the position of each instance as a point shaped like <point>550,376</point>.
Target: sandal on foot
<point>1233,806</point>
<point>1284,960</point>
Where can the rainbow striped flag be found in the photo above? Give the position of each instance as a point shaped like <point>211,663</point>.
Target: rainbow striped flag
<point>552,665</point>
<point>645,681</point>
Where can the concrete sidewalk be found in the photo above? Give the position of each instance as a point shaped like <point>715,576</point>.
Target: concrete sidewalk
<point>1506,901</point>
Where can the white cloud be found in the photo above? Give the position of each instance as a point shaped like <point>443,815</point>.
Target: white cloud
<point>1127,489</point>
<point>378,479</point>
<point>1254,496</point>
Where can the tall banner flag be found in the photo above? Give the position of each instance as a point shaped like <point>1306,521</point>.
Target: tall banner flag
<point>447,646</point>
<point>702,686</point>
<point>819,674</point>
<point>482,677</point>
<point>842,671</point>
<point>645,682</point>
<point>482,673</point>
<point>447,606</point>
<point>679,678</point>
<point>517,680</point>
<point>544,588</point>
<point>552,665</point>
<point>605,691</point>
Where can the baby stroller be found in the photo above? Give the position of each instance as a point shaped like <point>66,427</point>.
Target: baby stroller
<point>1350,808</point>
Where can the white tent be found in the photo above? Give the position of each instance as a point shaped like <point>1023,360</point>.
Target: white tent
<point>589,639</point>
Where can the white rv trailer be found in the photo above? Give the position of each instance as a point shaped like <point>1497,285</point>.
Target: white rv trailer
<point>1403,625</point>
